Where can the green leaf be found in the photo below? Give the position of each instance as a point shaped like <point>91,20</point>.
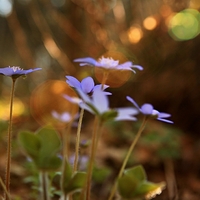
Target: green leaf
<point>67,174</point>
<point>133,184</point>
<point>127,186</point>
<point>30,143</point>
<point>42,147</point>
<point>149,189</point>
<point>50,142</point>
<point>109,115</point>
<point>100,174</point>
<point>77,196</point>
<point>137,173</point>
<point>77,182</point>
<point>48,162</point>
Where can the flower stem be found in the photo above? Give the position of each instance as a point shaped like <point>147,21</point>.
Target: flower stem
<point>66,149</point>
<point>44,184</point>
<point>78,140</point>
<point>92,156</point>
<point>4,188</point>
<point>105,77</point>
<point>127,157</point>
<point>9,141</point>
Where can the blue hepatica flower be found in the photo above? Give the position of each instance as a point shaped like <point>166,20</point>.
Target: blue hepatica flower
<point>86,85</point>
<point>98,105</point>
<point>148,110</point>
<point>15,71</point>
<point>108,63</point>
<point>63,117</point>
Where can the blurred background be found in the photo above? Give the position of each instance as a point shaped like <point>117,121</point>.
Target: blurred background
<point>160,35</point>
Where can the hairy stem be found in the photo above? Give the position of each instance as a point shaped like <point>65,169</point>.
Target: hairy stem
<point>45,185</point>
<point>9,142</point>
<point>66,154</point>
<point>92,156</point>
<point>105,77</point>
<point>113,190</point>
<point>78,140</point>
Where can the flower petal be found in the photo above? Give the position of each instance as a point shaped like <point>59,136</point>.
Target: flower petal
<point>138,67</point>
<point>16,71</point>
<point>84,96</point>
<point>126,114</point>
<point>163,115</point>
<point>87,61</point>
<point>165,120</point>
<point>86,107</point>
<point>87,84</point>
<point>147,109</point>
<point>100,101</point>
<point>73,82</point>
<point>74,100</point>
<point>125,66</point>
<point>29,71</point>
<point>133,102</point>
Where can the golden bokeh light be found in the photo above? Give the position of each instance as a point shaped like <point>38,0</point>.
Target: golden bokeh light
<point>116,78</point>
<point>135,34</point>
<point>18,108</point>
<point>150,23</point>
<point>119,11</point>
<point>165,10</point>
<point>195,4</point>
<point>48,98</point>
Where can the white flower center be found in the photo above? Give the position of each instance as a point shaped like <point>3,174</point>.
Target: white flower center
<point>108,62</point>
<point>16,68</point>
<point>155,113</point>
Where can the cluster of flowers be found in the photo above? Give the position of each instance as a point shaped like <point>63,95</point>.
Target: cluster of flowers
<point>94,99</point>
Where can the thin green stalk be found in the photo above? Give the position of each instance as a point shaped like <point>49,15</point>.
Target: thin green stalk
<point>113,190</point>
<point>9,142</point>
<point>78,140</point>
<point>99,134</point>
<point>4,188</point>
<point>44,181</point>
<point>105,77</point>
<point>66,140</point>
<point>92,157</point>
<point>66,145</point>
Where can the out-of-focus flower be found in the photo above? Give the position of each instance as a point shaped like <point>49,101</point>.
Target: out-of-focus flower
<point>98,105</point>
<point>108,63</point>
<point>148,110</point>
<point>15,71</point>
<point>63,117</point>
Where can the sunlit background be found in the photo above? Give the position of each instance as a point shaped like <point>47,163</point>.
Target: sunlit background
<point>163,36</point>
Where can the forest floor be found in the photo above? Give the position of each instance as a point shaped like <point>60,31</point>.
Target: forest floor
<point>167,154</point>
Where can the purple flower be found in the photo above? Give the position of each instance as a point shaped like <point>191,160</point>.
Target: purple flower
<point>63,117</point>
<point>148,110</point>
<point>15,71</point>
<point>86,85</point>
<point>108,63</point>
<point>98,104</point>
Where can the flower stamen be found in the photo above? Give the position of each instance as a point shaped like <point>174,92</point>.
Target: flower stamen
<point>108,62</point>
<point>16,68</point>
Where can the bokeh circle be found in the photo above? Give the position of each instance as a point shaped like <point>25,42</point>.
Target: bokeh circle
<point>48,105</point>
